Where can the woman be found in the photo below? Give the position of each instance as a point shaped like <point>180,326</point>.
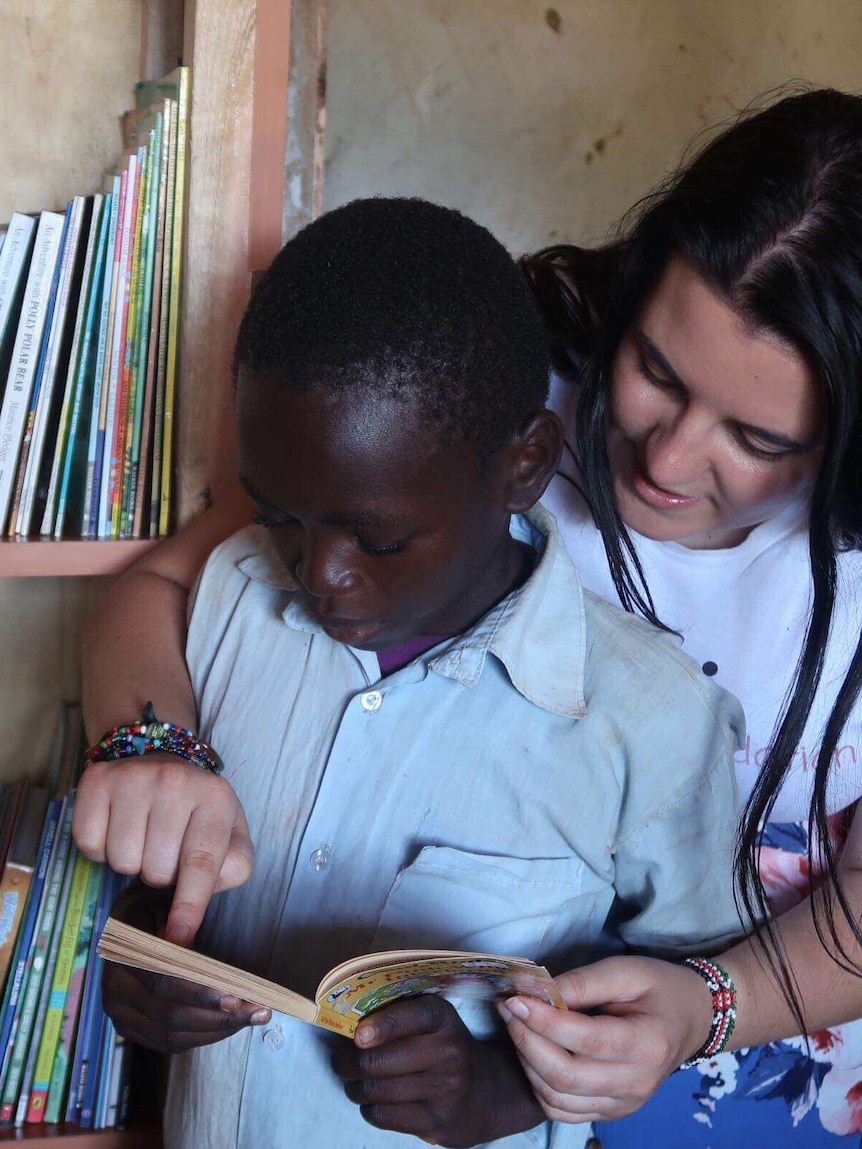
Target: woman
<point>717,350</point>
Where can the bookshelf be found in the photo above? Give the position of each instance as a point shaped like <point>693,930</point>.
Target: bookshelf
<point>247,69</point>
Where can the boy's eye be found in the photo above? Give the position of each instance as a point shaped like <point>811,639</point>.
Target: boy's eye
<point>272,521</point>
<point>388,549</point>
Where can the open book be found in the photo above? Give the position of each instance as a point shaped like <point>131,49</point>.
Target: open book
<point>351,990</point>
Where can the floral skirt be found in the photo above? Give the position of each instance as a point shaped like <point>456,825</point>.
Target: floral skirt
<point>770,1096</point>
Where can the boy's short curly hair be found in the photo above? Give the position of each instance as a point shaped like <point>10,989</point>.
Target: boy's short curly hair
<point>403,298</point>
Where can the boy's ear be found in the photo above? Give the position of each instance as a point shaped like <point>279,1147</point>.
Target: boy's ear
<point>534,456</point>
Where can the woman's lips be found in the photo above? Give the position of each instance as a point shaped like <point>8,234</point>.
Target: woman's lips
<point>658,496</point>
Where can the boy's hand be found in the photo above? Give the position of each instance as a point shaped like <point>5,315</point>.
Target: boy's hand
<point>167,1014</point>
<point>599,1067</point>
<point>169,822</point>
<point>415,1068</point>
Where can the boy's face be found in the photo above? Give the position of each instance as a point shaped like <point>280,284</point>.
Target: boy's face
<point>388,534</point>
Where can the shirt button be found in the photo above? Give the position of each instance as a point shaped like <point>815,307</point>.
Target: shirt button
<point>272,1039</point>
<point>371,701</point>
<point>320,858</point>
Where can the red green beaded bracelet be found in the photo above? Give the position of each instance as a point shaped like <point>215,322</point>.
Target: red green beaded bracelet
<point>150,736</point>
<point>723,993</point>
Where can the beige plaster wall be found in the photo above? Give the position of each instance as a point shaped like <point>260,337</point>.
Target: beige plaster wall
<point>547,121</point>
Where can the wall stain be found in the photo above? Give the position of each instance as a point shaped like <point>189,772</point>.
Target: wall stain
<point>554,20</point>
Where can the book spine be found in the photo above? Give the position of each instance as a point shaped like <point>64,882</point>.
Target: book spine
<point>82,391</point>
<point>164,311</point>
<point>14,259</point>
<point>174,315</point>
<point>16,1067</point>
<point>125,379</point>
<point>144,314</point>
<point>106,259</point>
<point>16,397</point>
<point>77,301</point>
<point>91,1005</point>
<point>30,925</point>
<point>100,494</point>
<point>144,484</point>
<point>120,307</point>
<point>63,1058</point>
<point>50,340</point>
<point>67,937</point>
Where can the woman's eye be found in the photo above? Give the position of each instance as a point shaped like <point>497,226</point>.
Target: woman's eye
<point>654,377</point>
<point>770,454</point>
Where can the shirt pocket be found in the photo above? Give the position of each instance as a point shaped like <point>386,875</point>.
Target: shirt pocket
<point>452,899</point>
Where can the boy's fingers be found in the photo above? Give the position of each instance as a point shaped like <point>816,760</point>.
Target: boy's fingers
<point>411,1055</point>
<point>407,1118</point>
<point>424,1014</point>
<point>401,1090</point>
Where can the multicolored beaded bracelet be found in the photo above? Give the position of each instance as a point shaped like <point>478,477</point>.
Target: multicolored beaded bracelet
<point>150,736</point>
<point>723,991</point>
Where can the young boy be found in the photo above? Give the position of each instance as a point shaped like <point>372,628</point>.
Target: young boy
<point>438,738</point>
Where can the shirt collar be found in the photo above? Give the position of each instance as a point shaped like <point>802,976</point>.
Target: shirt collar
<point>538,632</point>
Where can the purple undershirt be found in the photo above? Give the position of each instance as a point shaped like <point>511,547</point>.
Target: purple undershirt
<point>398,656</point>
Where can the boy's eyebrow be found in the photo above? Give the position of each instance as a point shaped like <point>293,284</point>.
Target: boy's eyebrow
<point>773,437</point>
<point>362,519</point>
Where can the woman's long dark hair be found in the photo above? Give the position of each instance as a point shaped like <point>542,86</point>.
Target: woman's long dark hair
<point>770,214</point>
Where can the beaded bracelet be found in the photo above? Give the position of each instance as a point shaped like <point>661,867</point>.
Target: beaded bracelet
<point>723,991</point>
<point>149,736</point>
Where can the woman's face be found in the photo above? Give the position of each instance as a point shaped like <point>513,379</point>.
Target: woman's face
<point>715,427</point>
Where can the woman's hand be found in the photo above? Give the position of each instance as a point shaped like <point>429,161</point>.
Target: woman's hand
<point>168,1014</point>
<point>601,1066</point>
<point>169,822</point>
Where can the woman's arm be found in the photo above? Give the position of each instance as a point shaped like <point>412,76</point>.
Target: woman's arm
<point>655,1014</point>
<point>158,816</point>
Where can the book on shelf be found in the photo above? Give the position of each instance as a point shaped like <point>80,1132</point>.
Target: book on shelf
<point>19,866</point>
<point>14,261</point>
<point>350,991</point>
<point>25,352</point>
<point>89,341</point>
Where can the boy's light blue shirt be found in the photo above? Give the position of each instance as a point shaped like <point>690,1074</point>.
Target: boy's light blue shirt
<point>559,773</point>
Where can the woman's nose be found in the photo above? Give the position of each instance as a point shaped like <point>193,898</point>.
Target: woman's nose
<point>678,451</point>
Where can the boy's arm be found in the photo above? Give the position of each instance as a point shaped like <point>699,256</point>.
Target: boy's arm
<point>158,816</point>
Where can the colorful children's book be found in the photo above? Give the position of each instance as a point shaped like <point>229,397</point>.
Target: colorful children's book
<point>71,1010</point>
<point>164,315</point>
<point>89,229</point>
<point>22,959</point>
<point>88,1040</point>
<point>183,104</point>
<point>45,369</point>
<point>15,1068</point>
<point>25,352</point>
<point>348,992</point>
<point>18,870</point>
<point>74,461</point>
<point>143,490</point>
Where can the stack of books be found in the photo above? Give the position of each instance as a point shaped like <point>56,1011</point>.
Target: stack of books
<point>89,319</point>
<point>62,1060</point>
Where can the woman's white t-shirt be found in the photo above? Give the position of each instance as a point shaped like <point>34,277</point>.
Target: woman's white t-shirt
<point>742,613</point>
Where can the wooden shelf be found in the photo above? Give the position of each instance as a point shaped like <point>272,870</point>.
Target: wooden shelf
<point>75,557</point>
<point>42,1136</point>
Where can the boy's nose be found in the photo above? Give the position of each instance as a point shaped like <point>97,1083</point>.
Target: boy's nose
<point>325,569</point>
